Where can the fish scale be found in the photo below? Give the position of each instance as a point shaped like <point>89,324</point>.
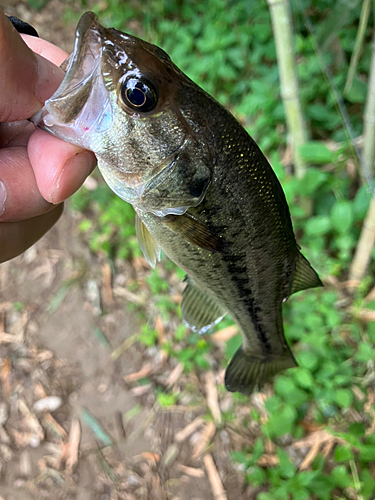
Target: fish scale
<point>202,190</point>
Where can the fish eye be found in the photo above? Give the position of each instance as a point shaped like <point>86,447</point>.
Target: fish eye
<point>139,94</point>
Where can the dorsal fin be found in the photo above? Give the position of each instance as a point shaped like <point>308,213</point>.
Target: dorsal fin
<point>304,276</point>
<point>199,310</point>
<point>147,244</point>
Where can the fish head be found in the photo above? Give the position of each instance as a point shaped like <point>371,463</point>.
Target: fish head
<point>120,98</point>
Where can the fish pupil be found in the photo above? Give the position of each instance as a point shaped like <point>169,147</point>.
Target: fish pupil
<point>136,96</point>
<point>139,94</point>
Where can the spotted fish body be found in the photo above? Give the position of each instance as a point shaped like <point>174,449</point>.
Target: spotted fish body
<point>203,191</point>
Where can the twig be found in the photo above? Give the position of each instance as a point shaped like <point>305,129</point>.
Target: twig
<point>147,369</point>
<point>190,471</point>
<point>131,297</point>
<point>365,245</point>
<point>212,398</point>
<point>5,377</point>
<point>309,458</point>
<point>73,446</point>
<point>206,436</point>
<point>214,478</point>
<point>174,375</point>
<point>107,289</point>
<point>119,351</point>
<point>188,430</point>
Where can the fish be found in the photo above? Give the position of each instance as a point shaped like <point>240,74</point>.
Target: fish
<point>202,190</point>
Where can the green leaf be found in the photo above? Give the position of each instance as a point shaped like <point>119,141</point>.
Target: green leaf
<point>316,152</point>
<point>232,345</point>
<point>301,495</point>
<point>311,181</point>
<point>284,385</point>
<point>361,202</point>
<point>367,484</point>
<point>304,378</point>
<point>256,476</point>
<point>357,92</point>
<point>322,487</point>
<point>367,453</point>
<point>365,353</point>
<point>96,428</point>
<point>344,397</point>
<point>318,225</point>
<point>266,496</point>
<point>257,450</point>
<point>305,477</point>
<point>357,429</point>
<point>287,468</point>
<point>166,400</point>
<point>281,422</point>
<point>340,476</point>
<point>343,453</point>
<point>308,359</point>
<point>272,404</point>
<point>342,215</point>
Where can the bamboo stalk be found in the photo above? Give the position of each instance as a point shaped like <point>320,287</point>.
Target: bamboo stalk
<point>366,241</point>
<point>365,12</point>
<point>365,245</point>
<point>369,119</point>
<point>283,33</point>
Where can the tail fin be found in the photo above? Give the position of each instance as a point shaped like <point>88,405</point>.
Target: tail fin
<point>246,372</point>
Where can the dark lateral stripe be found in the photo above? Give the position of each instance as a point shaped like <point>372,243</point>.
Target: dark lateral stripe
<point>239,275</point>
<point>238,271</point>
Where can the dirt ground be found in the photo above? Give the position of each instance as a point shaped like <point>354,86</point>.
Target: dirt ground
<point>50,303</point>
<point>73,425</point>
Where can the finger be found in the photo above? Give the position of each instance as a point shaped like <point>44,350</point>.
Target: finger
<point>16,237</point>
<point>45,49</point>
<point>27,79</point>
<point>60,168</point>
<point>19,194</point>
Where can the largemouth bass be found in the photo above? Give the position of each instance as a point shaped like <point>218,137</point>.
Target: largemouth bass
<point>202,190</point>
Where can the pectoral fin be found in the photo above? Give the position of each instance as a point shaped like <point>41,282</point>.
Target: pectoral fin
<point>304,276</point>
<point>193,231</point>
<point>246,372</point>
<point>199,310</point>
<point>147,244</point>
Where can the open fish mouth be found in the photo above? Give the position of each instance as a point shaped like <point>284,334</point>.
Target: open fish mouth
<point>81,103</point>
<point>89,110</point>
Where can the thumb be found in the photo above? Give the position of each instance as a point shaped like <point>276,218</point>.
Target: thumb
<point>27,79</point>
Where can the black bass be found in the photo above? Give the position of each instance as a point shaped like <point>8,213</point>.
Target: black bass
<point>202,190</point>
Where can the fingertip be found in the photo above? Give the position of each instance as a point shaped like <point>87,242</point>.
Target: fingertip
<point>60,168</point>
<point>78,167</point>
<point>45,49</point>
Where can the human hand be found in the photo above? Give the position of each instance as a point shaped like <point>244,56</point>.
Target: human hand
<point>37,171</point>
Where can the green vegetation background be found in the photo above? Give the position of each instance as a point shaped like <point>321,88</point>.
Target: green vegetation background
<point>227,47</point>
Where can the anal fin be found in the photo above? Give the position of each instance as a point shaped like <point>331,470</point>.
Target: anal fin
<point>147,244</point>
<point>245,372</point>
<point>304,276</point>
<point>199,310</point>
